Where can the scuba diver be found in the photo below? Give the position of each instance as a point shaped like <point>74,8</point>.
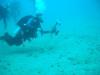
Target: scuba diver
<point>4,15</point>
<point>28,29</point>
<point>29,26</point>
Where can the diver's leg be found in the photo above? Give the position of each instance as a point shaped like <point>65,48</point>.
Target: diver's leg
<point>8,39</point>
<point>1,37</point>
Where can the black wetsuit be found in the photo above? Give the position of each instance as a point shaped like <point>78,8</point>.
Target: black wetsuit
<point>28,30</point>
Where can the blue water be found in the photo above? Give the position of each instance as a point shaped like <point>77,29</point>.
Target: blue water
<point>74,51</point>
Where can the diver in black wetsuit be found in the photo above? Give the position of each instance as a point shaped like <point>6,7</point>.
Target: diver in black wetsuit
<point>28,29</point>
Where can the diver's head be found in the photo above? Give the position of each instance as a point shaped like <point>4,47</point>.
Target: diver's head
<point>38,17</point>
<point>39,14</point>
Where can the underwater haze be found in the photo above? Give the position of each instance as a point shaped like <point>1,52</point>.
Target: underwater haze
<point>73,50</point>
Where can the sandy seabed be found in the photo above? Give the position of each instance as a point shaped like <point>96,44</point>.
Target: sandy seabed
<point>67,55</point>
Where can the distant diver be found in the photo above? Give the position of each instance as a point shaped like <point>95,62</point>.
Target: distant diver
<point>15,9</point>
<point>4,15</point>
<point>28,29</point>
